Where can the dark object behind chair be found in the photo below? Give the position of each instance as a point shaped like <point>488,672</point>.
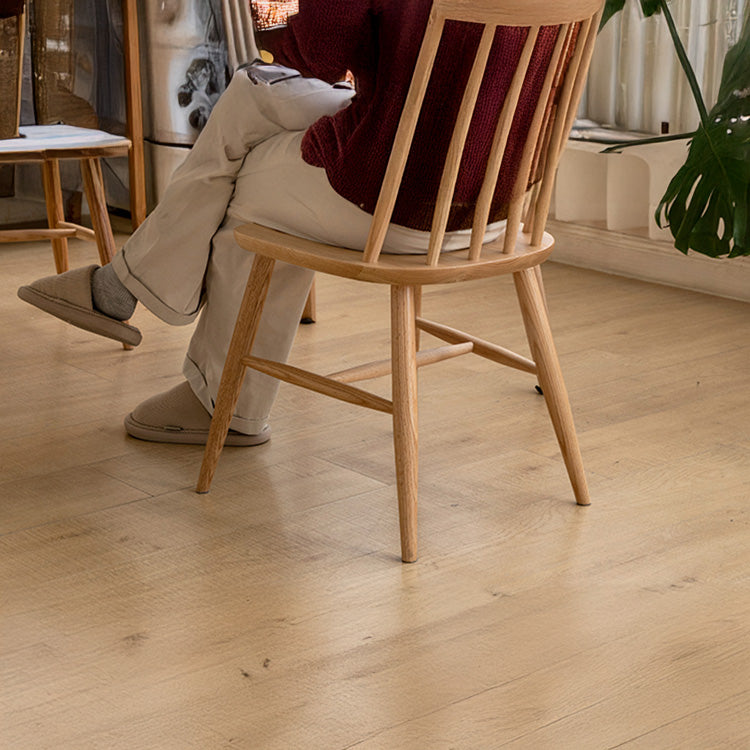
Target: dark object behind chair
<point>11,58</point>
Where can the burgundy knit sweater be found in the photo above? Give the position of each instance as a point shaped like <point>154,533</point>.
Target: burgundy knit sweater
<point>379,40</point>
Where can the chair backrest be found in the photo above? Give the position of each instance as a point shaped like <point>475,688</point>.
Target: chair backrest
<point>577,22</point>
<point>12,32</point>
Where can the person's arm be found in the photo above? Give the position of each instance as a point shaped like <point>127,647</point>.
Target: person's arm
<point>325,39</point>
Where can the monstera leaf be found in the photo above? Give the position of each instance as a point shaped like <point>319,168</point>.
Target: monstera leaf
<point>611,7</point>
<point>707,203</point>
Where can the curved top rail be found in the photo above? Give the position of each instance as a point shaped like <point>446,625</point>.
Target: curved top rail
<point>517,12</point>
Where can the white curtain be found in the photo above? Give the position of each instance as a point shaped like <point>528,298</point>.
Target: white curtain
<point>636,82</point>
<point>238,28</point>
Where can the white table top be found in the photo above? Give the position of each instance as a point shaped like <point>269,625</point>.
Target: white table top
<point>43,137</point>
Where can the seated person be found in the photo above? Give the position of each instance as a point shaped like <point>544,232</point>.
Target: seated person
<point>300,153</point>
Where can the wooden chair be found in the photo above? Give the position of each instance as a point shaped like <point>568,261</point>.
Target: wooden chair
<point>47,145</point>
<point>519,253</point>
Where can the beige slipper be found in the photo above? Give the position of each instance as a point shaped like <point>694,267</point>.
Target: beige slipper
<point>177,416</point>
<point>68,296</point>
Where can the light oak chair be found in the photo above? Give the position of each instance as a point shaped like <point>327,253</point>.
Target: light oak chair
<point>47,145</point>
<point>520,252</point>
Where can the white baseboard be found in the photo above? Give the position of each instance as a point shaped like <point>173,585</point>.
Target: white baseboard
<point>600,198</point>
<point>649,260</point>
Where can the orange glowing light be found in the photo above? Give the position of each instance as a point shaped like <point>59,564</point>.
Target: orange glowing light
<point>269,13</point>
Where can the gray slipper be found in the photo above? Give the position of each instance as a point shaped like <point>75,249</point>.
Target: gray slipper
<point>68,296</point>
<point>177,416</point>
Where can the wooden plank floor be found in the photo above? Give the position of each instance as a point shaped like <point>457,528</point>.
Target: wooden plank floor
<point>274,612</point>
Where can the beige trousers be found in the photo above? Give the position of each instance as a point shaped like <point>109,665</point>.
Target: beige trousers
<point>245,166</point>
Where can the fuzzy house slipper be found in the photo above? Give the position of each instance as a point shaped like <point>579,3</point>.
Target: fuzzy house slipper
<point>177,416</point>
<point>68,296</point>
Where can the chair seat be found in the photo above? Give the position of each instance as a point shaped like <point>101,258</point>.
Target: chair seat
<point>40,142</point>
<point>392,269</point>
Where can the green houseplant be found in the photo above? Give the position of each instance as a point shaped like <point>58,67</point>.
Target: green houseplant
<point>707,204</point>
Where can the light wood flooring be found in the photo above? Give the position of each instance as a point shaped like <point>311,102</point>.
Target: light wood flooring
<point>275,613</point>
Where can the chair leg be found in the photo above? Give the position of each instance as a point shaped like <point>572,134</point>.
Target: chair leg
<point>417,313</point>
<point>405,433</point>
<point>310,314</point>
<point>538,273</point>
<point>245,329</point>
<point>93,184</point>
<point>55,212</point>
<point>536,321</point>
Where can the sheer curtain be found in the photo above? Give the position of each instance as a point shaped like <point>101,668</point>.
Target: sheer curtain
<point>636,82</point>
